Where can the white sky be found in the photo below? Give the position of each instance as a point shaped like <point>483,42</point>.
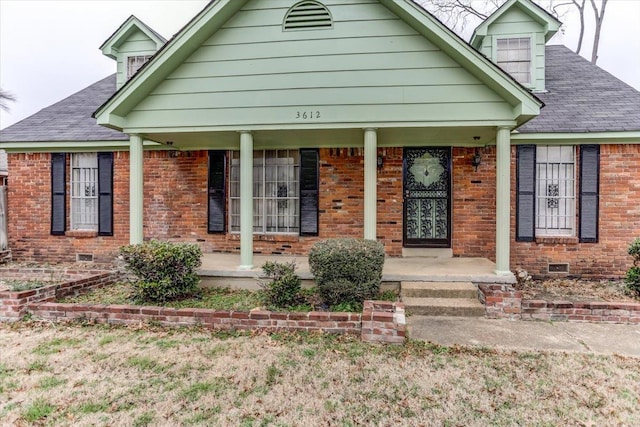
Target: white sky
<point>49,48</point>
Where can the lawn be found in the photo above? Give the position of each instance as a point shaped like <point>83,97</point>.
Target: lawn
<point>85,375</point>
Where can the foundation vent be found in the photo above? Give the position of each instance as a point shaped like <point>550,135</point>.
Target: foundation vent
<point>84,257</point>
<point>308,15</point>
<point>558,268</point>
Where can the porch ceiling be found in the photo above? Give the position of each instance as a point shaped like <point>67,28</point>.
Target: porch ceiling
<point>327,138</point>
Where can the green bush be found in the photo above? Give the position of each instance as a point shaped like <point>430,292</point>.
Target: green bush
<point>347,270</point>
<point>165,271</point>
<point>632,278</point>
<point>283,288</point>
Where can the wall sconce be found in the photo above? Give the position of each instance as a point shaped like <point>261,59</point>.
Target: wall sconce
<point>476,160</point>
<point>380,162</point>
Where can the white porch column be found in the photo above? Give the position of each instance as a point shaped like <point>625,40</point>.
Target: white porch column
<point>246,200</point>
<point>136,190</point>
<point>370,178</point>
<point>503,200</point>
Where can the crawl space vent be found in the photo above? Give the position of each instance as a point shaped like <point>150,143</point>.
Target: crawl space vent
<point>84,257</point>
<point>558,268</point>
<point>308,15</point>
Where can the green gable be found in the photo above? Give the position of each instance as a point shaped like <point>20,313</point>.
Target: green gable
<point>371,67</point>
<point>518,19</point>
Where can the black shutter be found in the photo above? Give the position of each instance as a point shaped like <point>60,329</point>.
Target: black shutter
<point>58,193</point>
<point>525,193</point>
<point>216,191</point>
<point>105,194</point>
<point>309,191</point>
<point>589,193</point>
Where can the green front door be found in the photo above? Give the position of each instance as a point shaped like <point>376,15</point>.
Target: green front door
<point>427,197</point>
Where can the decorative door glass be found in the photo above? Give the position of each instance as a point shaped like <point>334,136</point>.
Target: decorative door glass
<point>427,196</point>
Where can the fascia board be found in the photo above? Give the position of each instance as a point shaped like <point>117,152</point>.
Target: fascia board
<point>72,146</point>
<point>111,45</point>
<point>464,54</point>
<point>629,137</point>
<point>173,53</point>
<point>550,23</point>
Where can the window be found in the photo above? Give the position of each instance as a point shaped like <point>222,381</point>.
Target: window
<point>276,201</point>
<point>555,191</point>
<point>134,63</point>
<point>84,191</point>
<point>514,57</point>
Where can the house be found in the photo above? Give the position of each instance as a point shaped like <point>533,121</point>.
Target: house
<point>263,126</point>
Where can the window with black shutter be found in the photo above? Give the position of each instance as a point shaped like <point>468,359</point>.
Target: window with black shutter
<point>217,191</point>
<point>58,193</point>
<point>309,192</point>
<point>525,192</point>
<point>105,194</point>
<point>589,192</point>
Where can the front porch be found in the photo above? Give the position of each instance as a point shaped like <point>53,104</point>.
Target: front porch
<point>221,269</point>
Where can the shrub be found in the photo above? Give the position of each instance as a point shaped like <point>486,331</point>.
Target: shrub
<point>632,278</point>
<point>283,289</point>
<point>165,271</point>
<point>347,270</point>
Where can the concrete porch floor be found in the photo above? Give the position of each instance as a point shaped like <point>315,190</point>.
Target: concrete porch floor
<point>220,267</point>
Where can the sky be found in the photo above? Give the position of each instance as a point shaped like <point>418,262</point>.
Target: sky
<point>49,49</point>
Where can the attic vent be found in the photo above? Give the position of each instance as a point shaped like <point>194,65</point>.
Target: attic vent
<point>308,15</point>
<point>558,268</point>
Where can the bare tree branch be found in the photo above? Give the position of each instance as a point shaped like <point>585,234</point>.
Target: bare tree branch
<point>4,98</point>
<point>599,16</point>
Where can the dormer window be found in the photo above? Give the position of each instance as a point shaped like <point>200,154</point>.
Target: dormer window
<point>514,57</point>
<point>134,63</point>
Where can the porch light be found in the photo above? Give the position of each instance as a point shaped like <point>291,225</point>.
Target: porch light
<point>380,162</point>
<point>476,160</point>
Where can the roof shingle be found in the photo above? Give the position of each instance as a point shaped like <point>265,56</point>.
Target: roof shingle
<point>68,120</point>
<point>582,97</point>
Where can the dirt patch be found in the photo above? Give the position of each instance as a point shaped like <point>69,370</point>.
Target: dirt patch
<point>577,290</point>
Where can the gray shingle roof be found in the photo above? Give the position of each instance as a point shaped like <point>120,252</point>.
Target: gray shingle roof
<point>583,97</point>
<point>68,120</point>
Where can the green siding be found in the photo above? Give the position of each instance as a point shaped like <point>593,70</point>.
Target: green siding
<point>137,44</point>
<point>371,68</point>
<point>516,23</point>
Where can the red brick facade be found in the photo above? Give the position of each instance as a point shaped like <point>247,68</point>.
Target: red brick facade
<point>175,208</point>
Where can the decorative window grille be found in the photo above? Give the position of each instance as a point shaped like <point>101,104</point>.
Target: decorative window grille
<point>276,201</point>
<point>134,63</point>
<point>555,191</point>
<point>308,15</point>
<point>514,57</point>
<point>84,191</point>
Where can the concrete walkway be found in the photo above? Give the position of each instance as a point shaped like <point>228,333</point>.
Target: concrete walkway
<point>509,334</point>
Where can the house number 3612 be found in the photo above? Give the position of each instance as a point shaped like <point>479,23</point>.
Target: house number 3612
<point>307,115</point>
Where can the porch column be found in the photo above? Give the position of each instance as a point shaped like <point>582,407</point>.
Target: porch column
<point>503,200</point>
<point>370,178</point>
<point>246,200</point>
<point>136,190</point>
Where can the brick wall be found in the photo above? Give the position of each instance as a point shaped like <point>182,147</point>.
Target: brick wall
<point>176,209</point>
<point>619,223</point>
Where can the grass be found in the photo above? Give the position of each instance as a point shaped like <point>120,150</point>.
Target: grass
<point>157,376</point>
<point>211,298</point>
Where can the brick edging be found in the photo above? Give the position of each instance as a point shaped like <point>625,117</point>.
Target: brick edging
<point>14,304</point>
<point>380,321</point>
<point>505,302</point>
<point>593,311</point>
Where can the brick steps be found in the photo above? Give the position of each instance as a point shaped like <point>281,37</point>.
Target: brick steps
<point>441,299</point>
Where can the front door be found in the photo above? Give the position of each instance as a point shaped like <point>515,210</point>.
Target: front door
<point>427,197</point>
